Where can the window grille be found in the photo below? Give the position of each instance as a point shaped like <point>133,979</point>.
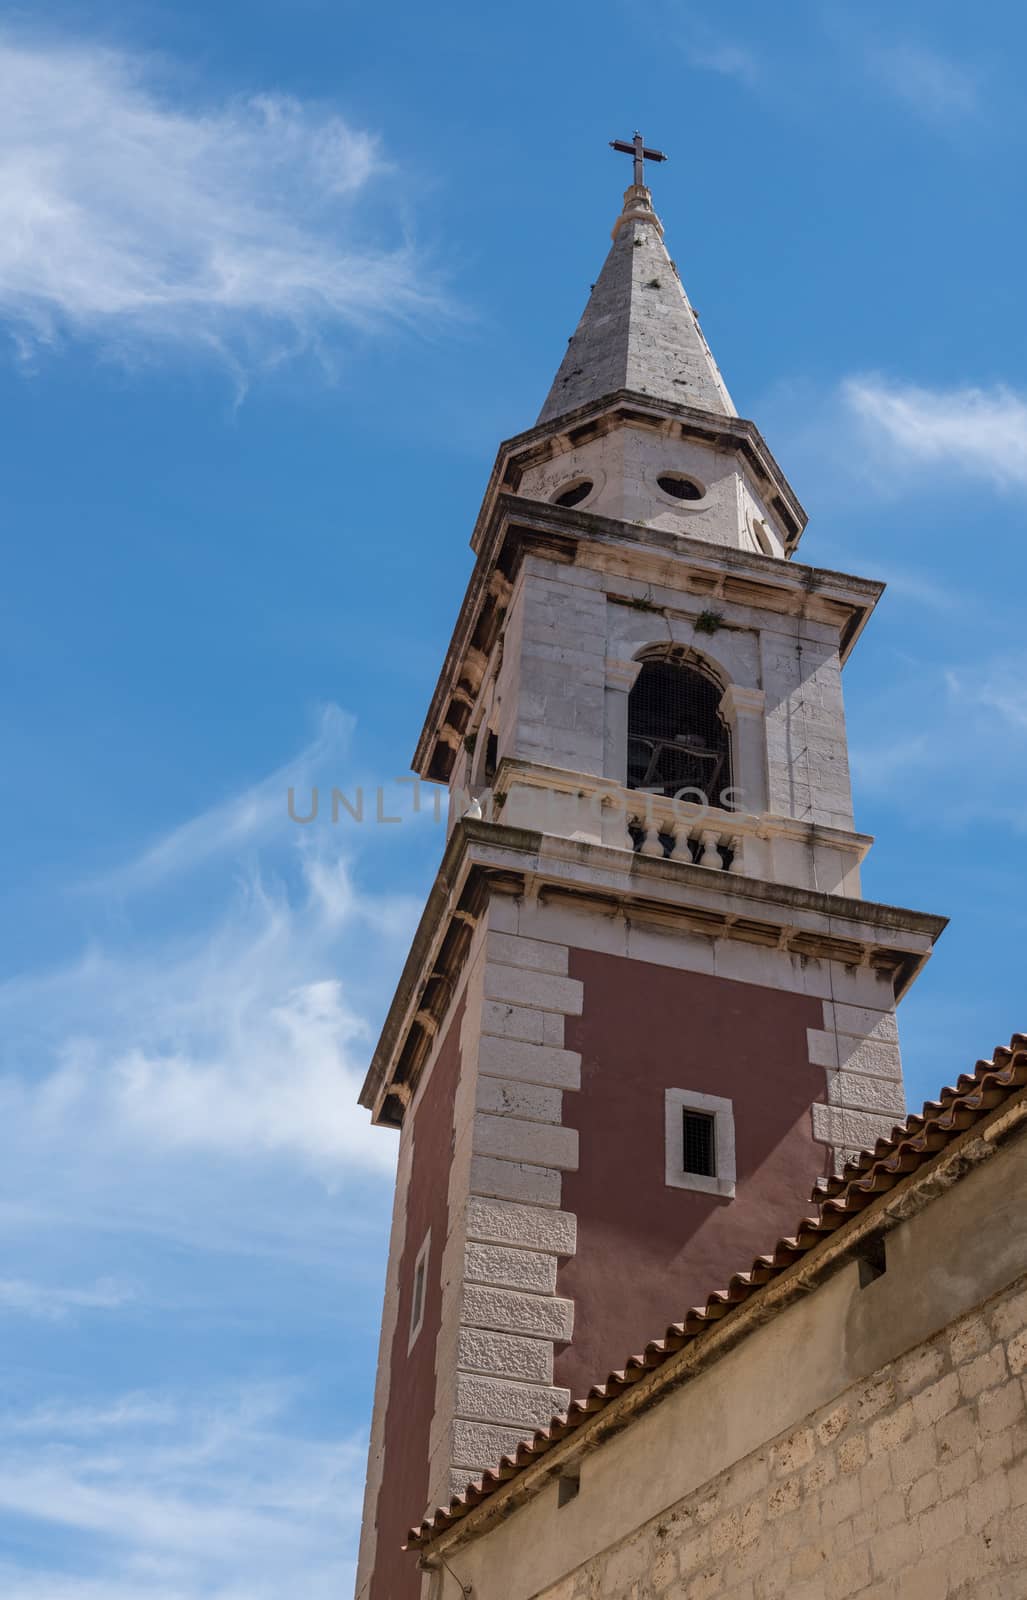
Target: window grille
<point>698,1144</point>
<point>676,739</point>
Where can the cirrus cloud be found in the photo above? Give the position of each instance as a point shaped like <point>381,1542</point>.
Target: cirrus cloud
<point>135,217</point>
<point>937,88</point>
<point>978,431</point>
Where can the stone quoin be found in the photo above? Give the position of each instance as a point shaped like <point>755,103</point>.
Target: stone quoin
<point>633,1030</point>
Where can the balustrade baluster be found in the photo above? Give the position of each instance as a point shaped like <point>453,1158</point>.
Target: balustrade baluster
<point>711,856</point>
<point>681,850</point>
<point>652,844</point>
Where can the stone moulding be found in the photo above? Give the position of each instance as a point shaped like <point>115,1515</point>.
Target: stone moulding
<point>519,527</point>
<point>627,408</point>
<point>484,859</point>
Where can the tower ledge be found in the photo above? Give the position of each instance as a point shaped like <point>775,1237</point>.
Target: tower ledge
<point>519,527</point>
<point>484,859</point>
<point>629,408</point>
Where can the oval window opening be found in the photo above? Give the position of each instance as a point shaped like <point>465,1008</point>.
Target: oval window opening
<point>762,537</point>
<point>680,488</point>
<point>575,494</point>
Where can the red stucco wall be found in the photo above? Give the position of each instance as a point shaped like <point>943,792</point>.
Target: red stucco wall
<point>403,1497</point>
<point>646,1252</point>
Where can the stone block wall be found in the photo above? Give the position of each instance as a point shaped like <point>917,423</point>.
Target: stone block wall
<point>912,1485</point>
<point>504,1317</point>
<point>508,1314</point>
<point>561,697</point>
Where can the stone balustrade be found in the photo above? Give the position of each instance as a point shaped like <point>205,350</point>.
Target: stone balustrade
<point>663,829</point>
<point>778,849</point>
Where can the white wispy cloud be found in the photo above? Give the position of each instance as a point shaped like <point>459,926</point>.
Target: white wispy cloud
<point>968,718</point>
<point>244,821</point>
<point>981,432</point>
<point>134,214</point>
<point>241,1038</point>
<point>729,59</point>
<point>223,1496</point>
<point>245,1035</point>
<point>890,763</point>
<point>53,1302</point>
<point>1000,688</point>
<point>931,84</point>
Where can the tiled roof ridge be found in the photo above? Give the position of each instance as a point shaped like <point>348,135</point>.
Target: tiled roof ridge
<point>923,1135</point>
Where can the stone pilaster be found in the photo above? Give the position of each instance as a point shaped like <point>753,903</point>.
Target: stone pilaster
<point>507,1320</point>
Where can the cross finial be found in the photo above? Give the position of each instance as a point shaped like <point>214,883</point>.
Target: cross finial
<point>638,149</point>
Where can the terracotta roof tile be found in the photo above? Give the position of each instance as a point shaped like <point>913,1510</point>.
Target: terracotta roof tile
<point>838,1199</point>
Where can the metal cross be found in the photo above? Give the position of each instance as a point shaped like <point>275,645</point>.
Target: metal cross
<point>637,149</point>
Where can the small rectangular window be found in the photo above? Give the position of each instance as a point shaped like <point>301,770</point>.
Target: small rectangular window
<point>699,1143</point>
<point>568,1486</point>
<point>419,1292</point>
<point>873,1262</point>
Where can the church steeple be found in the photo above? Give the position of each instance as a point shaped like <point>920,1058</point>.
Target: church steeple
<point>646,1006</point>
<point>638,331</point>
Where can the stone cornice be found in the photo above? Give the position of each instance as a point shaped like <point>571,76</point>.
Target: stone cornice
<point>764,825</point>
<point>628,408</point>
<point>484,858</point>
<point>520,527</point>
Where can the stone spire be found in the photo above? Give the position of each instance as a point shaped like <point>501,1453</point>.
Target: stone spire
<point>638,330</point>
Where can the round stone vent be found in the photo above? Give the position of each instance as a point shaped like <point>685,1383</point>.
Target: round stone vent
<point>680,488</point>
<point>574,493</point>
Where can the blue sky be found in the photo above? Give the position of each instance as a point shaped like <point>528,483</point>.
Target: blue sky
<point>275,279</point>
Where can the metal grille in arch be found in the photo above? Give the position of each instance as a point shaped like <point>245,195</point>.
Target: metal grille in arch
<point>676,738</point>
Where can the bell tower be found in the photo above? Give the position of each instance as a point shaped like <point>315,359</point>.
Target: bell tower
<point>646,1007</point>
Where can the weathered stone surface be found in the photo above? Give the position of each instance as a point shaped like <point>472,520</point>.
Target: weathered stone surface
<point>498,1222</point>
<point>854,1130</point>
<point>538,1316</point>
<point>516,1357</point>
<point>513,1140</point>
<point>530,1063</point>
<point>530,1270</point>
<point>861,1022</point>
<point>515,1180</point>
<point>873,1496</point>
<point>479,1445</point>
<point>540,990</point>
<point>508,1021</point>
<point>504,1097</point>
<point>500,1401</point>
<point>880,1095</point>
<point>639,332</point>
<point>516,951</point>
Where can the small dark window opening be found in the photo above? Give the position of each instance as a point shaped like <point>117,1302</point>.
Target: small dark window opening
<point>491,752</point>
<point>418,1306</point>
<point>676,739</point>
<point>680,488</point>
<point>873,1262</point>
<point>575,494</point>
<point>567,1486</point>
<point>699,1144</point>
